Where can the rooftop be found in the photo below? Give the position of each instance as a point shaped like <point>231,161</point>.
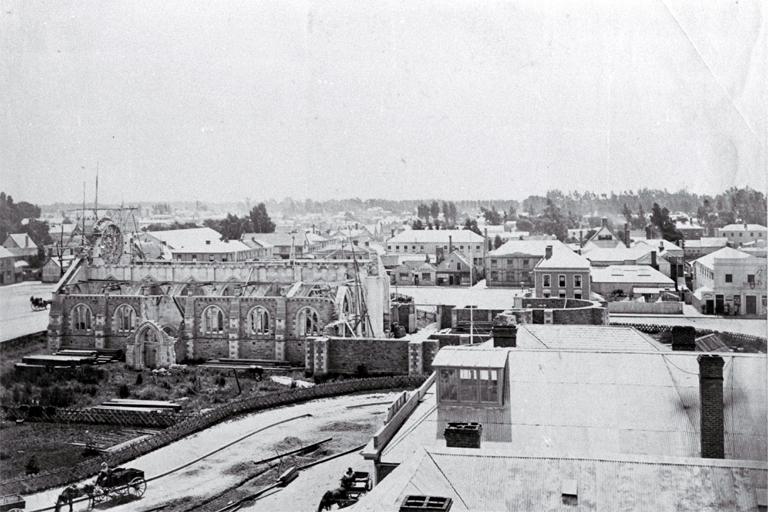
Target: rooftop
<point>635,274</point>
<point>458,236</point>
<point>528,248</point>
<point>743,227</point>
<point>726,253</point>
<point>197,240</point>
<point>564,259</point>
<point>585,337</point>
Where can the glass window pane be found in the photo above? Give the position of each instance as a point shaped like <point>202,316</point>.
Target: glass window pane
<point>468,386</point>
<point>448,388</point>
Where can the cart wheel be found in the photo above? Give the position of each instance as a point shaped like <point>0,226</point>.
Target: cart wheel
<point>137,487</point>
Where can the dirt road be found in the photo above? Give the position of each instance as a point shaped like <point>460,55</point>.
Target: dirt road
<point>349,420</point>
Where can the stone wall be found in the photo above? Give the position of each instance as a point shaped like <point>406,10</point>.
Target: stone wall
<point>345,355</point>
<point>647,308</point>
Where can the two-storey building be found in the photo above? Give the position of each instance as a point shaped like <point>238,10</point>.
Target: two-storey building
<point>729,282</point>
<point>564,274</point>
<point>742,233</point>
<point>512,264</point>
<point>429,241</point>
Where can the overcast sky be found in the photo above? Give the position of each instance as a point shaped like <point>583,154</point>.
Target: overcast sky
<point>220,101</point>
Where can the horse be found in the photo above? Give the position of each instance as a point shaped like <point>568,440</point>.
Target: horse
<point>74,491</point>
<point>334,497</point>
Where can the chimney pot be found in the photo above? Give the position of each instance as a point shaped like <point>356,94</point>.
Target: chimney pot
<point>548,252</point>
<point>712,412</point>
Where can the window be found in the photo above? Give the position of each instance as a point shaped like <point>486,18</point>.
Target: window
<point>477,247</point>
<point>397,247</point>
<point>425,276</point>
<point>469,385</point>
<point>422,247</point>
<point>547,280</point>
<point>123,319</point>
<point>547,294</point>
<point>525,263</point>
<point>494,276</point>
<point>728,278</point>
<point>751,278</point>
<point>258,321</point>
<point>81,318</point>
<point>561,294</point>
<point>213,320</point>
<point>577,281</point>
<point>389,247</point>
<point>307,323</point>
<point>494,263</point>
<point>413,247</point>
<point>561,280</point>
<point>577,294</point>
<point>461,247</point>
<point>740,234</point>
<point>449,384</point>
<point>403,275</point>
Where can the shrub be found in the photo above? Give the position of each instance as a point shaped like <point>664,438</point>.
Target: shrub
<point>88,374</point>
<point>362,371</point>
<point>57,396</point>
<point>139,379</point>
<point>4,455</point>
<point>32,467</point>
<point>123,391</point>
<point>191,390</point>
<point>221,381</point>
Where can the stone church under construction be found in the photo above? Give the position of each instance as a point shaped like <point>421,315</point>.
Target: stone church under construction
<point>163,312</point>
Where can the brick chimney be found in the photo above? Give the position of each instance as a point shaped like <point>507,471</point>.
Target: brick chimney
<point>548,252</point>
<point>654,263</point>
<point>468,435</point>
<point>504,330</point>
<point>450,244</point>
<point>604,222</point>
<point>712,415</point>
<point>581,238</point>
<point>684,338</point>
<point>626,234</point>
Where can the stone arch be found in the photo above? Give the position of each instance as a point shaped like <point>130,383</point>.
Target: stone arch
<point>151,347</point>
<point>258,321</point>
<point>81,318</point>
<point>307,322</point>
<point>213,320</point>
<point>229,289</point>
<point>124,319</point>
<point>184,288</point>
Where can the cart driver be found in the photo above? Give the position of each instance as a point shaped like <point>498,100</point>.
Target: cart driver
<point>348,479</point>
<point>103,475</point>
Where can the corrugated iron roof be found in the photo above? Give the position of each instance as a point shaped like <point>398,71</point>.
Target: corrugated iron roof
<point>711,343</point>
<point>635,274</point>
<point>487,481</point>
<point>584,337</point>
<point>471,357</point>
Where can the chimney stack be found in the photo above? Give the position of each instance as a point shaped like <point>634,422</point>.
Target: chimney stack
<point>393,233</point>
<point>684,338</point>
<point>605,222</point>
<point>548,252</point>
<point>467,435</point>
<point>626,234</point>
<point>654,264</point>
<point>712,413</point>
<point>450,244</point>
<point>581,238</point>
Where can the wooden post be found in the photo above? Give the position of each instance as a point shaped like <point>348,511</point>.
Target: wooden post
<point>237,381</point>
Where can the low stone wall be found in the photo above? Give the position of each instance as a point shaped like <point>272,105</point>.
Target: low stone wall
<point>63,476</point>
<point>39,413</point>
<point>22,341</point>
<point>385,355</point>
<point>647,308</point>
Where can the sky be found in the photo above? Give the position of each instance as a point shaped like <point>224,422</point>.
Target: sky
<point>451,99</point>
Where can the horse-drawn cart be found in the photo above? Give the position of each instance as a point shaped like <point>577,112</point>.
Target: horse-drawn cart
<point>121,482</point>
<point>346,496</point>
<point>12,503</point>
<point>39,304</point>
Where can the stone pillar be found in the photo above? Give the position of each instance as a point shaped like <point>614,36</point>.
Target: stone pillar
<point>281,312</point>
<point>280,350</point>
<point>188,333</point>
<point>375,301</point>
<point>234,328</point>
<point>321,356</point>
<point>548,316</point>
<point>55,324</point>
<point>415,357</point>
<point>309,356</point>
<point>712,409</point>
<point>428,353</point>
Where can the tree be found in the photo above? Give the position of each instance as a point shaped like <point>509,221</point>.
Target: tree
<point>525,225</point>
<point>471,224</point>
<point>552,222</point>
<point>422,212</point>
<point>492,217</point>
<point>497,242</point>
<point>260,221</point>
<point>627,213</point>
<point>639,221</point>
<point>417,225</point>
<point>660,219</point>
<point>434,211</point>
